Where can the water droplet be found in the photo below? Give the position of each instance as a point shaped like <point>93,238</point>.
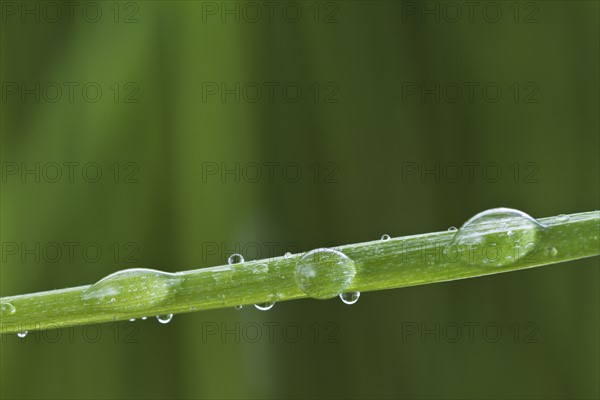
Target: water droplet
<point>350,297</point>
<point>324,273</point>
<point>496,237</point>
<point>22,334</point>
<point>144,318</point>
<point>562,218</point>
<point>7,309</point>
<point>385,237</point>
<point>235,259</point>
<point>132,289</point>
<point>287,255</point>
<point>551,251</point>
<point>164,319</point>
<point>132,320</point>
<point>238,307</point>
<point>452,229</point>
<point>264,306</point>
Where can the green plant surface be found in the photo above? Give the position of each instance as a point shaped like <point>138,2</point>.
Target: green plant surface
<point>494,241</point>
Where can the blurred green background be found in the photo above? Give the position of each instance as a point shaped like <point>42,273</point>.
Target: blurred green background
<point>365,107</point>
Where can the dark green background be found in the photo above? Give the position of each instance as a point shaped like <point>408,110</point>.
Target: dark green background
<point>368,135</point>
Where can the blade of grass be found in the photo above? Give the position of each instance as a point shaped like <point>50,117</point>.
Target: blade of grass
<point>375,265</point>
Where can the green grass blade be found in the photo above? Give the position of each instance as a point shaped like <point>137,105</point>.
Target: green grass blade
<point>495,241</point>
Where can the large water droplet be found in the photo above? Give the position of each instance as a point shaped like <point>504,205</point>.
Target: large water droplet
<point>131,289</point>
<point>350,297</point>
<point>324,273</point>
<point>496,237</point>
<point>22,334</point>
<point>7,309</point>
<point>264,306</point>
<point>235,259</point>
<point>164,319</point>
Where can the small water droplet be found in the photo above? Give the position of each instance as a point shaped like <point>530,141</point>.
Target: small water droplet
<point>562,218</point>
<point>235,259</point>
<point>264,306</point>
<point>287,255</point>
<point>164,319</point>
<point>385,237</point>
<point>324,273</point>
<point>452,229</point>
<point>7,309</point>
<point>552,251</point>
<point>22,334</point>
<point>132,320</point>
<point>144,318</point>
<point>496,237</point>
<point>239,307</point>
<point>350,297</point>
<point>113,300</point>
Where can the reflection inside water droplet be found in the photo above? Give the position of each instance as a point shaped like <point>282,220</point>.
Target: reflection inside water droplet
<point>496,237</point>
<point>164,319</point>
<point>324,273</point>
<point>264,306</point>
<point>350,297</point>
<point>235,259</point>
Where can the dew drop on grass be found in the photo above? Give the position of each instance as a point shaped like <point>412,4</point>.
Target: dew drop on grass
<point>164,319</point>
<point>235,259</point>
<point>144,318</point>
<point>385,237</point>
<point>562,218</point>
<point>324,273</point>
<point>132,320</point>
<point>7,309</point>
<point>22,334</point>
<point>496,237</point>
<point>287,255</point>
<point>239,307</point>
<point>452,229</point>
<point>350,297</point>
<point>132,289</point>
<point>264,306</point>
